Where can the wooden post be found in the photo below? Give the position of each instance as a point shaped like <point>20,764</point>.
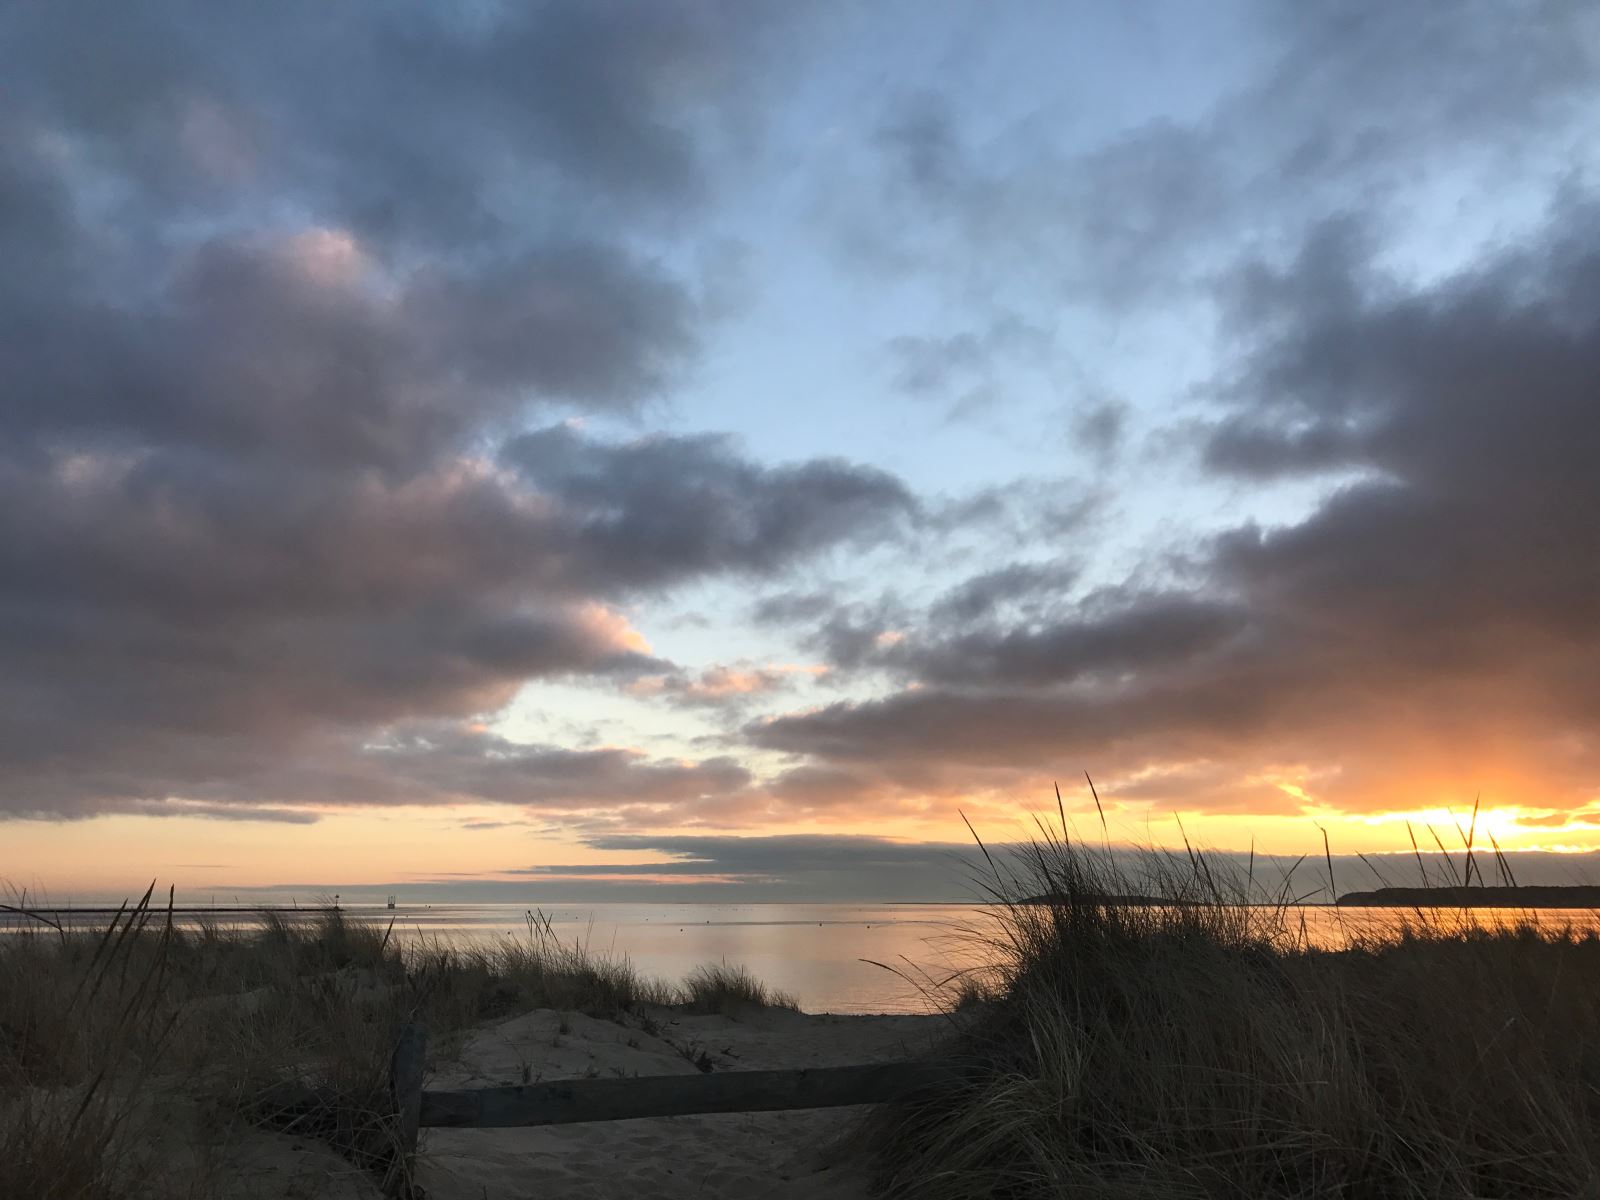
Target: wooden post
<point>405,1081</point>
<point>568,1100</point>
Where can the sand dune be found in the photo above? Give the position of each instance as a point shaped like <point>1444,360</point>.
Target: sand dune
<point>776,1156</point>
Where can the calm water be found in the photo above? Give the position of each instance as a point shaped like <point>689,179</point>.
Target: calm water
<point>814,951</point>
<point>826,955</point>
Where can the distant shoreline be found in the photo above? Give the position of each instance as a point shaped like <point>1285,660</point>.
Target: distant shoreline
<point>185,911</point>
<point>1533,896</point>
<point>1132,901</point>
<point>1577,896</point>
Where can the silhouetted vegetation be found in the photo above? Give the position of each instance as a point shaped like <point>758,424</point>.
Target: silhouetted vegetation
<point>1206,1048</point>
<point>121,1044</point>
<point>1483,896</point>
<point>729,991</point>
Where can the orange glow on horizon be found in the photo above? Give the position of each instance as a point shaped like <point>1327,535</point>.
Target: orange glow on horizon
<point>119,854</point>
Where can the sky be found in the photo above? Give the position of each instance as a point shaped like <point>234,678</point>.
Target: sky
<point>695,449</point>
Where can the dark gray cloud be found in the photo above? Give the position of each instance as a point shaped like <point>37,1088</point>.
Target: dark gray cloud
<point>579,320</point>
<point>968,729</point>
<point>1023,623</point>
<point>284,293</point>
<point>1434,617</point>
<point>159,606</point>
<point>679,504</point>
<point>773,853</point>
<point>1470,410</point>
<point>450,763</point>
<point>828,869</point>
<point>403,120</point>
<point>224,812</point>
<point>295,348</point>
<point>1105,637</point>
<point>1027,584</point>
<point>854,635</point>
<point>793,605</point>
<point>798,867</point>
<point>296,302</point>
<point>794,867</point>
<point>251,777</point>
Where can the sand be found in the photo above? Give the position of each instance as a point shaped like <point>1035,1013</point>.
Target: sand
<point>774,1156</point>
<point>794,1155</point>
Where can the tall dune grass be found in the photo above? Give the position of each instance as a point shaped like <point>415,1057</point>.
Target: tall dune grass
<point>1202,1047</point>
<point>289,1025</point>
<point>730,991</point>
<point>79,1025</point>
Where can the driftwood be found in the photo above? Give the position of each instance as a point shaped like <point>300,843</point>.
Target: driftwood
<point>562,1102</point>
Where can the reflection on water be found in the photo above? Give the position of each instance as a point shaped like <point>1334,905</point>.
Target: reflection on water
<point>1333,927</point>
<point>832,957</point>
<point>817,952</point>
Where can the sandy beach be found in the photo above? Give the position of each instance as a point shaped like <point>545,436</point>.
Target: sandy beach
<point>782,1154</point>
<point>777,1156</point>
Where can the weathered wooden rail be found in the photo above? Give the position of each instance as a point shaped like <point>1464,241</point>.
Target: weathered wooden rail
<point>567,1101</point>
<point>564,1101</point>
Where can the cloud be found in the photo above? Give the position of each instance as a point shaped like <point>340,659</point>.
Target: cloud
<point>1107,635</point>
<point>721,686</point>
<point>661,507</point>
<point>1389,106</point>
<point>925,364</point>
<point>427,763</point>
<point>295,303</point>
<point>1561,820</point>
<point>428,125</point>
<point>1024,624</point>
<point>1100,427</point>
<point>979,596</point>
<point>580,320</point>
<point>447,763</point>
<point>1468,411</point>
<point>1428,627</point>
<point>794,867</point>
<point>224,812</point>
<point>856,635</point>
<point>812,867</point>
<point>322,329</point>
<point>824,868</point>
<point>792,605</point>
<point>250,351</point>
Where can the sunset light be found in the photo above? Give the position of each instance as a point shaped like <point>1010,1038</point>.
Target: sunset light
<point>763,444</point>
<point>711,547</point>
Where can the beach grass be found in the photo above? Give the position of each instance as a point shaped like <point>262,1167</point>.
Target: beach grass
<point>1142,1025</point>
<point>1203,1047</point>
<point>288,1024</point>
<point>730,990</point>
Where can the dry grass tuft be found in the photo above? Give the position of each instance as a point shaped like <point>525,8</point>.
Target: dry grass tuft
<point>730,991</point>
<point>1200,1047</point>
<point>288,1025</point>
<point>81,1025</point>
